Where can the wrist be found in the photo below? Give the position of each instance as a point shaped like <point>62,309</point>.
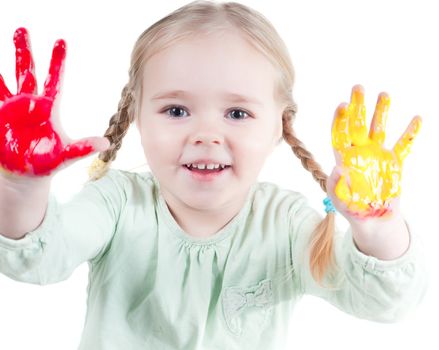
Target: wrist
<point>23,202</point>
<point>385,238</point>
<point>22,182</point>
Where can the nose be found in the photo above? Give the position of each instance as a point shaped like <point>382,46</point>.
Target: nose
<point>207,132</point>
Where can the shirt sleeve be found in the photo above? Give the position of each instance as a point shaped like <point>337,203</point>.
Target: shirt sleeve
<point>71,233</point>
<point>362,285</point>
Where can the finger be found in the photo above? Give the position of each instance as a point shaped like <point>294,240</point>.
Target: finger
<point>331,184</point>
<point>343,191</point>
<point>4,91</point>
<point>53,80</point>
<point>357,117</point>
<point>405,142</point>
<point>24,63</point>
<point>100,144</point>
<point>333,179</point>
<point>340,136</point>
<point>85,147</point>
<point>377,131</point>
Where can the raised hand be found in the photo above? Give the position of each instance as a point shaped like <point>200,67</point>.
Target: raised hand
<point>32,142</point>
<point>369,175</point>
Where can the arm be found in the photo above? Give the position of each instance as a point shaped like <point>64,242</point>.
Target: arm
<point>362,285</point>
<point>23,203</point>
<point>365,183</point>
<point>33,147</point>
<point>384,238</point>
<point>71,233</point>
<point>32,143</point>
<point>381,275</point>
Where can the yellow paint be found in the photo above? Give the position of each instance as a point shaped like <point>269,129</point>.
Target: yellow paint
<point>371,174</point>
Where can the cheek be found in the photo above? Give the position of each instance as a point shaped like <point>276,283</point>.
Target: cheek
<point>255,142</point>
<point>155,134</point>
<point>155,138</point>
<point>255,147</point>
<point>251,153</point>
<point>158,145</point>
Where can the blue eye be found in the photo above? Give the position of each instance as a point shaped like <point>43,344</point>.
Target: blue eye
<point>174,109</point>
<point>239,113</point>
<point>178,112</point>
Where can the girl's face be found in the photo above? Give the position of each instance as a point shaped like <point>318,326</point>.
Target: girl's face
<point>208,100</point>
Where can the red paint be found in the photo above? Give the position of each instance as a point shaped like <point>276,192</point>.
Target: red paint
<point>371,213</point>
<point>4,91</point>
<point>28,143</point>
<point>24,63</point>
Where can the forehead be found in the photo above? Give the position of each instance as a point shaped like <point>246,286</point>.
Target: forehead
<point>215,63</point>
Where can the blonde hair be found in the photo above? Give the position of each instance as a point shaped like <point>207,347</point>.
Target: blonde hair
<point>204,17</point>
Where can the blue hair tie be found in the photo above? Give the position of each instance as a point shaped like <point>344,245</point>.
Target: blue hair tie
<point>329,207</point>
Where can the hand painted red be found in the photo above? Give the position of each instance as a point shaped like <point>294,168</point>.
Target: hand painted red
<point>30,142</point>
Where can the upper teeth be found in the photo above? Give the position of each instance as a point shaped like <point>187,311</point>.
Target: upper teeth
<point>208,166</point>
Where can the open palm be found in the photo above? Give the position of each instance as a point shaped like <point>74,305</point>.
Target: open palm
<point>370,175</point>
<point>32,142</point>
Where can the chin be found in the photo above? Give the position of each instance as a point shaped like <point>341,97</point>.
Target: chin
<point>204,202</point>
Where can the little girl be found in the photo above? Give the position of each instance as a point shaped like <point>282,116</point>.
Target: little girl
<point>197,254</point>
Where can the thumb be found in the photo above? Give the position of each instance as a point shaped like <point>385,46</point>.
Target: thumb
<point>85,147</point>
<point>332,180</point>
<point>331,183</point>
<point>100,144</point>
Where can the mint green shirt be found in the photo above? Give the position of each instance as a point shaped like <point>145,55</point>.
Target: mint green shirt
<point>153,286</point>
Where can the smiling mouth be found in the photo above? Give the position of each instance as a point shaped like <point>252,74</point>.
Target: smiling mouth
<point>206,171</point>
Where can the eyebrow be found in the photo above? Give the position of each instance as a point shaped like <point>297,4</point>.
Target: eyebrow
<point>233,97</point>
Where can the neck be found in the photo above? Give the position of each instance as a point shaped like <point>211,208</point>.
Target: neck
<point>202,223</point>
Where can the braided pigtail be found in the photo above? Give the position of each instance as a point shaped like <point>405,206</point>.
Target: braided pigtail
<point>321,252</point>
<point>117,129</point>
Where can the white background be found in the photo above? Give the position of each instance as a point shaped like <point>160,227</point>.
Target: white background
<point>384,45</point>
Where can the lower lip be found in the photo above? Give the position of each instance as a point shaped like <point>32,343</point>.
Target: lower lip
<point>203,175</point>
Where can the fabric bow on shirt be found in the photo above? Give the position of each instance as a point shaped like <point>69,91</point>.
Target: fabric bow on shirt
<point>236,300</point>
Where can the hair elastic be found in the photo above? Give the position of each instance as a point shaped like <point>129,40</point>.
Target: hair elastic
<point>329,206</point>
<point>96,169</point>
